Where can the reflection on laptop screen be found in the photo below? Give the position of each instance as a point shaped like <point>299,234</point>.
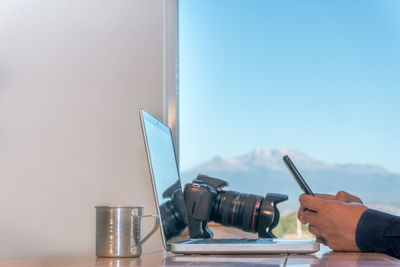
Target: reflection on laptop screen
<point>166,180</point>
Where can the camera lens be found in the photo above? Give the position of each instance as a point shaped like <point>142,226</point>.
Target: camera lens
<point>206,201</point>
<point>237,209</point>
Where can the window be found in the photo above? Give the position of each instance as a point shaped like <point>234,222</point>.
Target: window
<point>318,80</point>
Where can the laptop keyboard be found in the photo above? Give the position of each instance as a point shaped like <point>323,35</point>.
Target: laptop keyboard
<point>232,241</point>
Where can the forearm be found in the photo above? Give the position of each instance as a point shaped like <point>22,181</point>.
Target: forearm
<point>379,232</point>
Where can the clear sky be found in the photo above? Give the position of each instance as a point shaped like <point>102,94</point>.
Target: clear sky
<point>322,77</point>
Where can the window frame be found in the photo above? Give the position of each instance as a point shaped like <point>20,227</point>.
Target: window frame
<point>170,70</point>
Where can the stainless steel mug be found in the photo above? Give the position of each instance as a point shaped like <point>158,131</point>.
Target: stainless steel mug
<point>119,231</point>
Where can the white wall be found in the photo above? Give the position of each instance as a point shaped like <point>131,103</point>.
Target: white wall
<point>73,75</point>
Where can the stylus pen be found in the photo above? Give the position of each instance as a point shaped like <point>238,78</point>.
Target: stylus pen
<point>297,176</point>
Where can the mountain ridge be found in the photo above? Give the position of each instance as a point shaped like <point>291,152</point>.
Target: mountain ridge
<point>272,158</point>
<point>262,170</point>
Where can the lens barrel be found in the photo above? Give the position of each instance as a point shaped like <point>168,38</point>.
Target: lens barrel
<point>237,209</point>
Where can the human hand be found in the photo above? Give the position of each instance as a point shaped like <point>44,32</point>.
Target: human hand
<point>333,222</point>
<point>341,196</point>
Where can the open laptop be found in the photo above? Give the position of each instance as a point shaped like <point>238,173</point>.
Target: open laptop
<point>171,208</point>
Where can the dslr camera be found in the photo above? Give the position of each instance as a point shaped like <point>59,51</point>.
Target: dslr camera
<point>205,200</point>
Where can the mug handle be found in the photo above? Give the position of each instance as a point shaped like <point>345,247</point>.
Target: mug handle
<point>155,227</point>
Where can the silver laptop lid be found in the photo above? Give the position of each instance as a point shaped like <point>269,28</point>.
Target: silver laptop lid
<point>165,178</point>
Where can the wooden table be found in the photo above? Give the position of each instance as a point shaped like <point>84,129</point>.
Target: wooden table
<point>325,257</point>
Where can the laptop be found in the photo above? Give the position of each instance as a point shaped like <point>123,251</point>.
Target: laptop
<point>171,207</point>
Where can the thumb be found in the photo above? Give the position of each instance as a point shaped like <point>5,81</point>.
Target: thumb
<point>311,203</point>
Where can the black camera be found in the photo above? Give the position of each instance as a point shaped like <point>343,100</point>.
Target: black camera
<point>206,201</point>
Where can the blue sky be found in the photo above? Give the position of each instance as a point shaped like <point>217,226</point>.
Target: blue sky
<point>322,77</point>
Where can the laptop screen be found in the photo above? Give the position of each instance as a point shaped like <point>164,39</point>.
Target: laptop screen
<point>165,176</point>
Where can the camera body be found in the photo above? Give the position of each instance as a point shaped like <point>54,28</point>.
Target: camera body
<point>205,200</point>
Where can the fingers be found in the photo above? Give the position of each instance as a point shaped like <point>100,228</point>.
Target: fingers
<point>342,196</point>
<point>311,217</point>
<point>314,230</point>
<point>326,196</point>
<point>322,240</point>
<point>311,203</point>
<point>318,234</point>
<point>347,198</point>
<point>308,203</point>
<point>300,214</point>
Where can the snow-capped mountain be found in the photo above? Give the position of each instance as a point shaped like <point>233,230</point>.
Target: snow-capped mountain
<point>262,171</point>
<point>270,159</point>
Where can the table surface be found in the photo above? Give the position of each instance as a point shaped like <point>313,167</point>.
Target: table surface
<point>325,257</point>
